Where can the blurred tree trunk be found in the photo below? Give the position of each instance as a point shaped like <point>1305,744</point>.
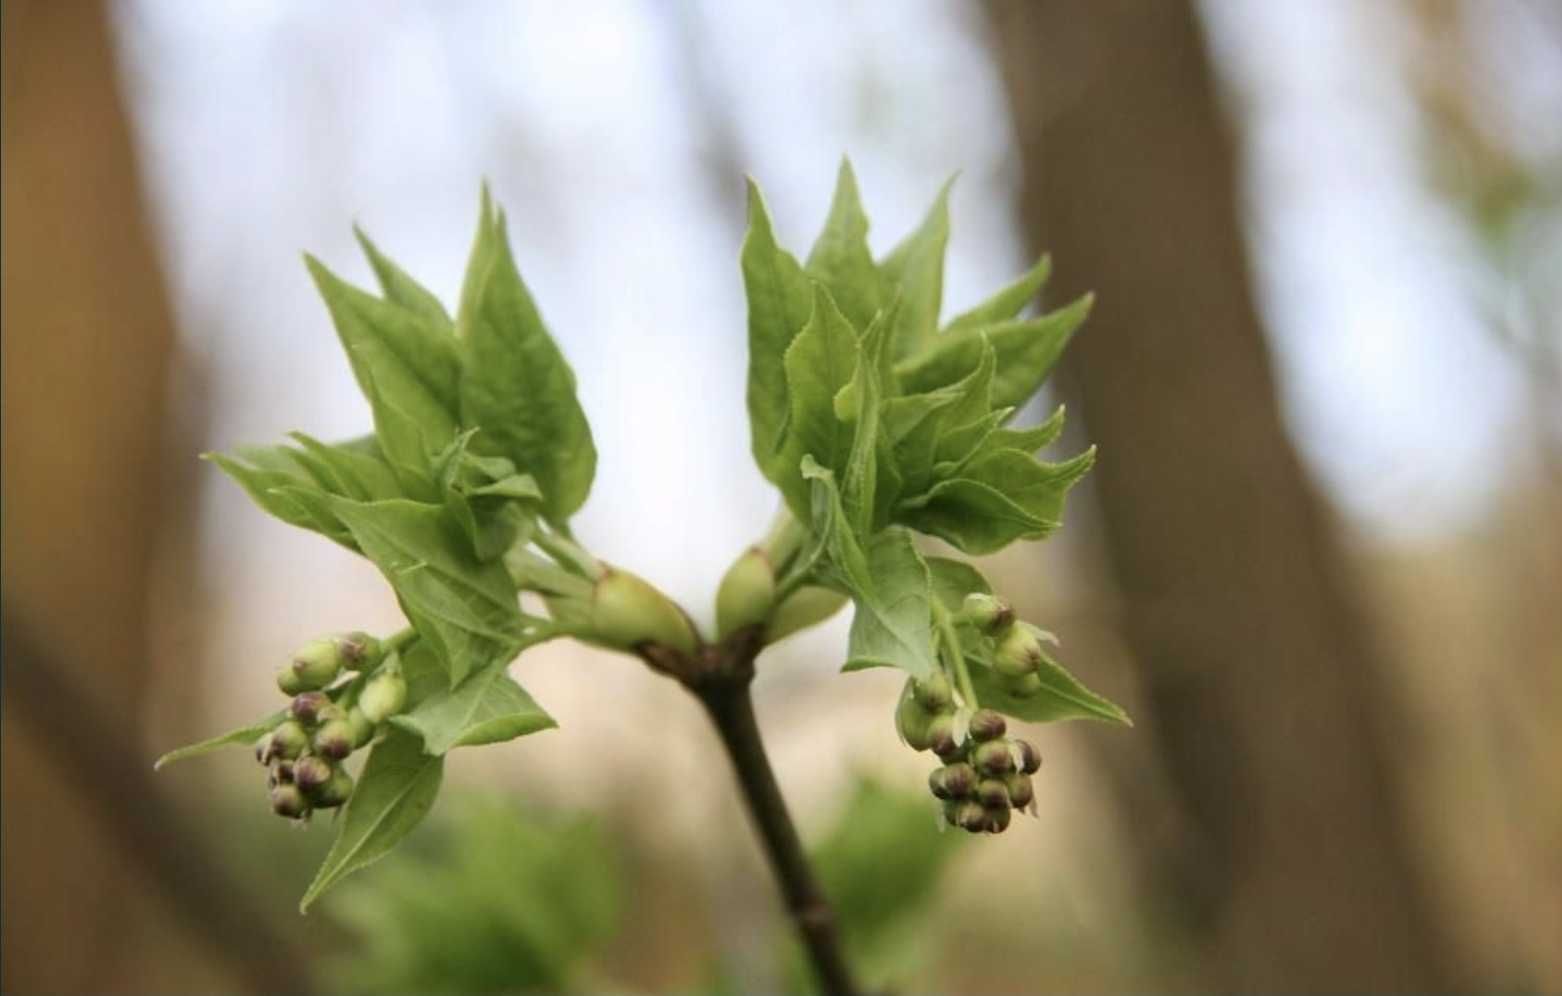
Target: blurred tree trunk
<point>88,343</point>
<point>1268,705</point>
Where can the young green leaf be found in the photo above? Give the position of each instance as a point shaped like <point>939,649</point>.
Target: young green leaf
<point>400,288</point>
<point>1001,496</point>
<point>1029,440</point>
<point>780,302</point>
<point>840,258</point>
<point>268,487</point>
<point>1005,304</point>
<point>488,707</point>
<point>393,794</point>
<point>821,361</point>
<point>860,478</point>
<point>516,386</point>
<point>1026,353</point>
<point>892,626</point>
<point>465,608</point>
<point>244,736</point>
<point>953,580</point>
<point>915,268</point>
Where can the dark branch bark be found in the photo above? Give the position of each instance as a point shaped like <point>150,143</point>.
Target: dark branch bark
<point>720,677</point>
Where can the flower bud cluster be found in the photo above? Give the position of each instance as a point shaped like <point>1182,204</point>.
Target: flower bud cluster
<point>1017,651</point>
<point>986,777</point>
<point>303,755</point>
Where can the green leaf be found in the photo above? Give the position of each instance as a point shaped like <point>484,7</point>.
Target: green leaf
<point>780,302</point>
<point>407,369</point>
<point>915,268</point>
<point>1001,496</point>
<point>1062,695</point>
<point>487,708</point>
<point>400,288</point>
<point>1029,440</point>
<point>821,361</point>
<point>1026,353</point>
<point>268,488</point>
<point>244,736</point>
<point>466,608</point>
<point>860,478</point>
<point>394,792</point>
<point>953,580</point>
<point>489,500</point>
<point>1005,304</point>
<point>481,259</point>
<point>840,258</point>
<point>892,626</point>
<point>516,386</point>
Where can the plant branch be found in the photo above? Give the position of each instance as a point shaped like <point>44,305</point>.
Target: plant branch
<point>720,679</point>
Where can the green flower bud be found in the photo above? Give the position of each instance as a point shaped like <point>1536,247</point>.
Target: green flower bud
<point>987,725</point>
<point>289,681</point>
<point>384,696</point>
<point>747,592</point>
<point>959,780</point>
<point>1021,791</point>
<point>311,771</point>
<point>1023,687</point>
<point>952,813</point>
<point>287,800</point>
<point>971,816</point>
<point>334,739</point>
<point>280,773</point>
<point>334,792</point>
<point>317,663</point>
<point>1030,757</point>
<point>1018,653</point>
<point>288,741</point>
<point>361,727</point>
<point>941,736</point>
<point>804,608</point>
<point>992,758</point>
<point>934,692</point>
<point>943,786</point>
<point>912,721</point>
<point>359,651</point>
<point>306,707</point>
<point>627,610</point>
<point>988,614</point>
<point>992,793</point>
<point>263,750</point>
<point>997,819</point>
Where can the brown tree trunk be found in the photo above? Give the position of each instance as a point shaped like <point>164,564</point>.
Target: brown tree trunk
<point>1268,706</point>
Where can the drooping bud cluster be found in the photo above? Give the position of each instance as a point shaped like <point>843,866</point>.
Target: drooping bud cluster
<point>986,777</point>
<point>303,755</point>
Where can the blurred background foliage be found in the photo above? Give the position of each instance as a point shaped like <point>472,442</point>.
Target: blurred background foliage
<point>1319,559</point>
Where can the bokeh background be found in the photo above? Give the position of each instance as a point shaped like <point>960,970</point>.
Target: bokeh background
<point>1320,560</point>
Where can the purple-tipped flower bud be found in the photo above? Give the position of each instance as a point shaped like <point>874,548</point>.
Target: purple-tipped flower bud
<point>383,696</point>
<point>362,729</point>
<point>288,741</point>
<point>311,771</point>
<point>987,725</point>
<point>938,784</point>
<point>912,721</point>
<point>988,614</point>
<point>934,692</point>
<point>281,773</point>
<point>1023,687</point>
<point>959,780</point>
<point>1030,757</point>
<point>971,816</point>
<point>289,681</point>
<point>334,792</point>
<point>1018,653</point>
<point>992,793</point>
<point>306,707</point>
<point>358,651</point>
<point>263,750</point>
<point>952,813</point>
<point>287,800</point>
<point>1021,791</point>
<point>941,736</point>
<point>997,819</point>
<point>334,739</point>
<point>992,758</point>
<point>317,663</point>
